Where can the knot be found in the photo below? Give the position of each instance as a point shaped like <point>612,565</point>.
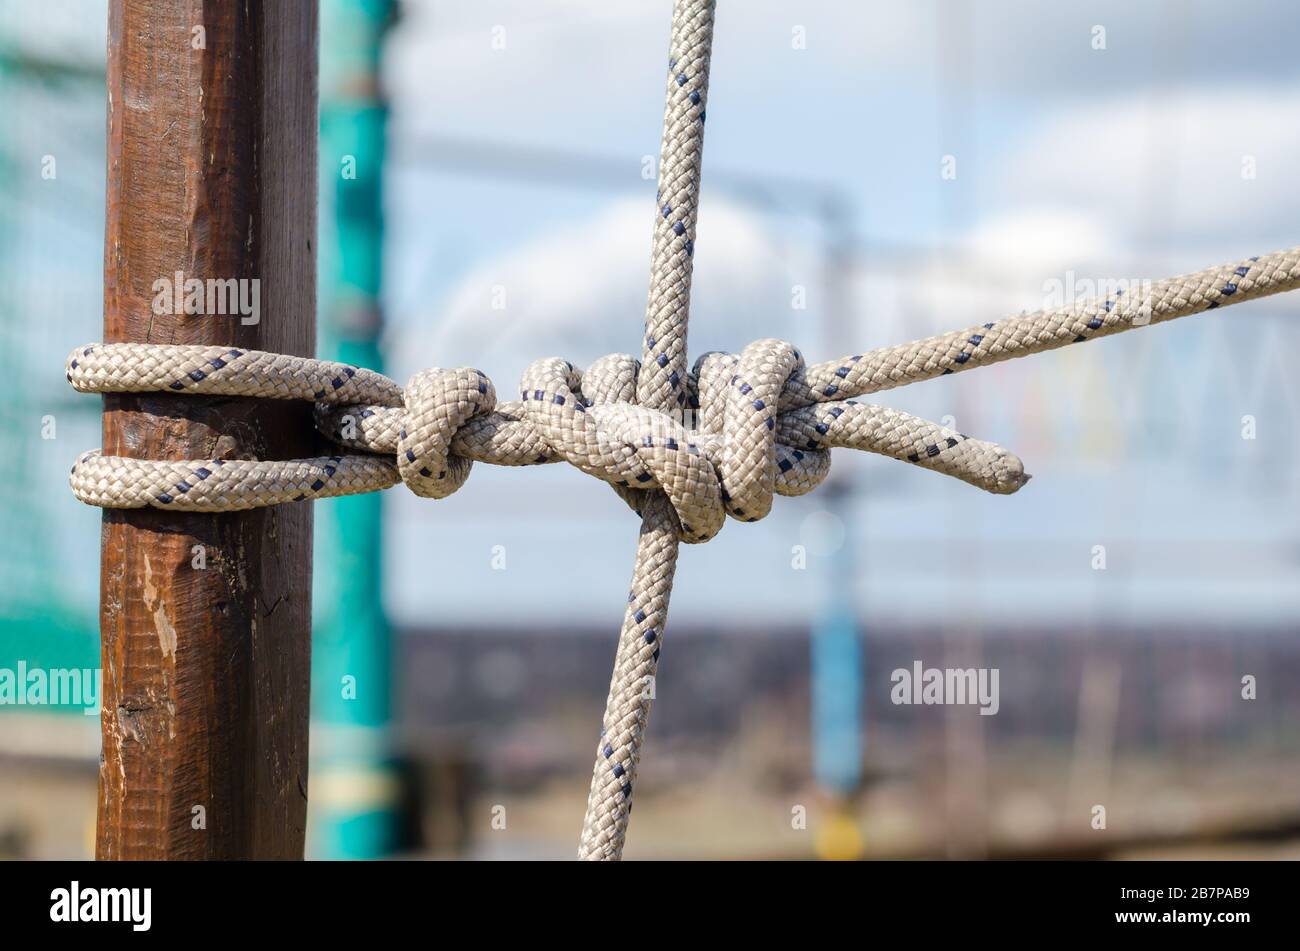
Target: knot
<point>751,426</point>
<point>438,404</point>
<point>732,461</point>
<point>739,454</point>
<point>740,395</point>
<point>593,424</point>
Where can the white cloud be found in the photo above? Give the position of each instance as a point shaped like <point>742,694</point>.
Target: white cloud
<point>516,68</point>
<point>579,292</point>
<point>1165,170</point>
<point>1035,242</point>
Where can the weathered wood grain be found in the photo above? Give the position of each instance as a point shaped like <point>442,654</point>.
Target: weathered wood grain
<point>211,172</point>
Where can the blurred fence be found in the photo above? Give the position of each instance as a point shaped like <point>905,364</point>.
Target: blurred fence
<point>51,253</point>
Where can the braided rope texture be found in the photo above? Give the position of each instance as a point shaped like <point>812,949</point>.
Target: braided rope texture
<point>737,455</point>
<point>429,434</point>
<point>1043,330</point>
<point>771,373</point>
<point>663,386</point>
<point>680,156</point>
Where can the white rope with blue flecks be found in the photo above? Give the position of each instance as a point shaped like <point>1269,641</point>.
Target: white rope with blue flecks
<point>763,422</point>
<point>661,386</point>
<point>427,434</point>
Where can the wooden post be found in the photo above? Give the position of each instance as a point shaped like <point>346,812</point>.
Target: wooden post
<point>205,619</point>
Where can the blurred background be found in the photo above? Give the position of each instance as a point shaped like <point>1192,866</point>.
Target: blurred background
<point>874,172</point>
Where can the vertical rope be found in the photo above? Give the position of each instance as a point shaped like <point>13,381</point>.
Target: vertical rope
<point>661,384</point>
<point>632,686</point>
<point>662,381</point>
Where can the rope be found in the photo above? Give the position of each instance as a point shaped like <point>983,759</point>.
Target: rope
<point>761,423</point>
<point>735,457</point>
<point>632,447</point>
<point>428,434</point>
<point>662,387</point>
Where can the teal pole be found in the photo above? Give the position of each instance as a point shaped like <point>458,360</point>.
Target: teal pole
<point>838,655</point>
<point>354,780</point>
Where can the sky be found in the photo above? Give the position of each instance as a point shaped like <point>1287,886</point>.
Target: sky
<point>1094,140</point>
<point>1091,140</point>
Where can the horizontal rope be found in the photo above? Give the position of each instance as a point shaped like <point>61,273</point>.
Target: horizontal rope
<point>447,419</point>
<point>1047,329</point>
<point>224,371</point>
<point>663,386</point>
<point>224,485</point>
<point>589,419</point>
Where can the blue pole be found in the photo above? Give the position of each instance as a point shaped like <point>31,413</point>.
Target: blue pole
<point>354,781</point>
<point>837,662</point>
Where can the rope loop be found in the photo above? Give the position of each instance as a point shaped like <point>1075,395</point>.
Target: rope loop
<point>595,420</point>
<point>748,443</point>
<point>438,404</point>
<point>763,424</point>
<point>749,426</point>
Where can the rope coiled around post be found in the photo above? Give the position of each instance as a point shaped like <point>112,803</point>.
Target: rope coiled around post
<point>763,425</point>
<point>736,456</point>
<point>739,453</point>
<point>428,434</point>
